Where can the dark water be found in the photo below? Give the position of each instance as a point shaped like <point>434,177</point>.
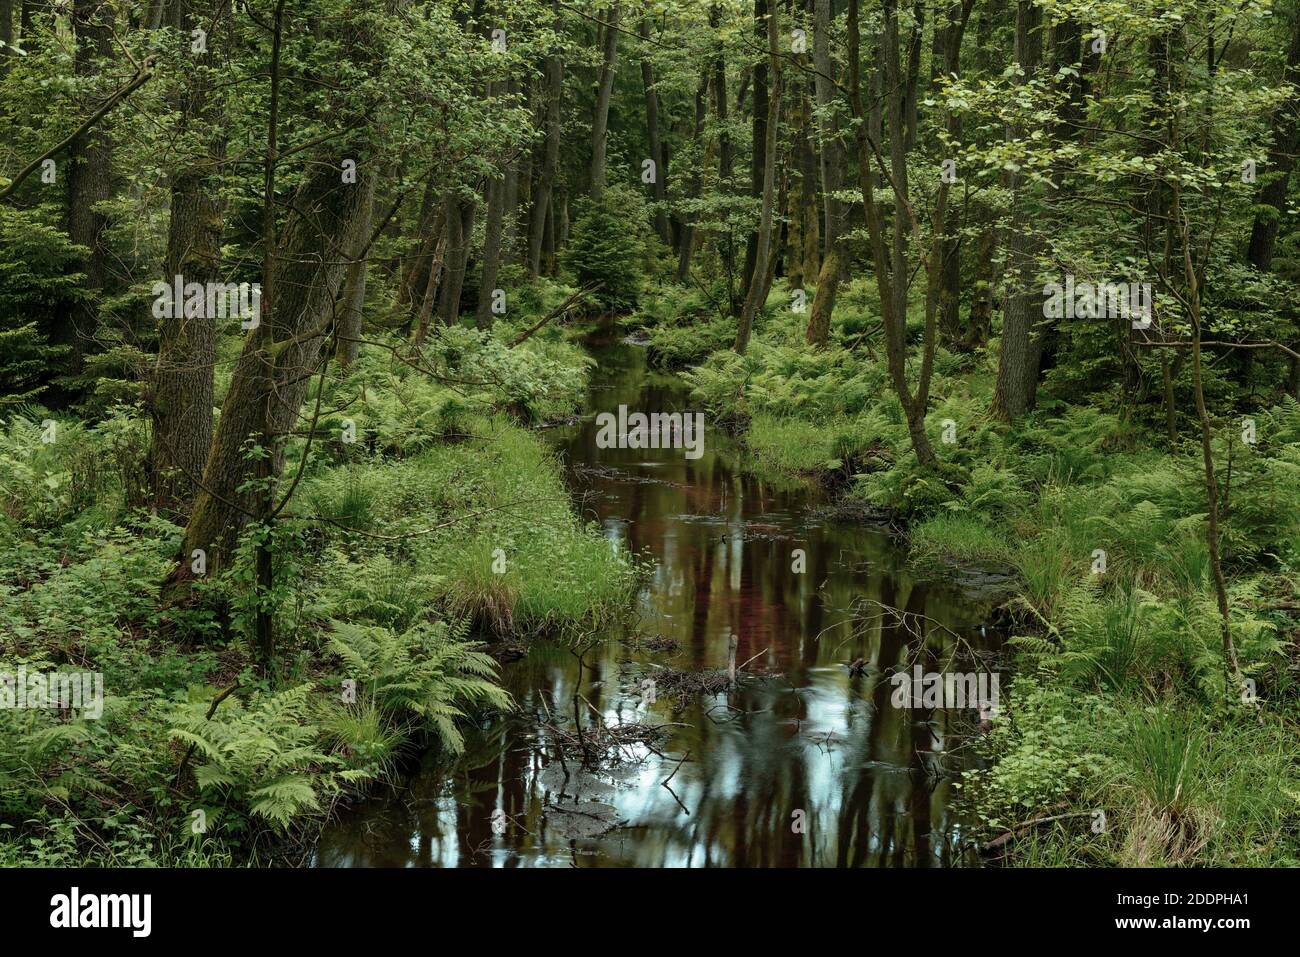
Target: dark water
<point>807,765</point>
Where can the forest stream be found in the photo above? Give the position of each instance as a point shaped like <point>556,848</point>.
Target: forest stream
<point>805,763</point>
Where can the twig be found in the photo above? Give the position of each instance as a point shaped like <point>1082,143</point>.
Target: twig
<point>665,781</point>
<point>216,703</point>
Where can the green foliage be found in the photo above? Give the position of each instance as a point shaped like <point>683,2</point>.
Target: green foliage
<point>959,539</point>
<point>1166,750</point>
<point>427,674</point>
<point>681,345</point>
<point>263,756</point>
<point>608,247</point>
<point>54,468</point>
<point>35,257</point>
<point>786,380</point>
<point>1042,754</point>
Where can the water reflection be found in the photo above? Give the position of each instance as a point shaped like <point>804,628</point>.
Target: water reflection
<point>810,767</point>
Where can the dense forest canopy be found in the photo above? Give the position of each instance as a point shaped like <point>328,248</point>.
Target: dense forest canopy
<point>285,284</point>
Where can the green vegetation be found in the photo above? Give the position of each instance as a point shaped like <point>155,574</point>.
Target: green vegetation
<point>383,578</point>
<point>1018,277</point>
<point>1121,700</point>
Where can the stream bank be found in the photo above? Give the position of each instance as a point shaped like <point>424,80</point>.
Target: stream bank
<point>807,762</point>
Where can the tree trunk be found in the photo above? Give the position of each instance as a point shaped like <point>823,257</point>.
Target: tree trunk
<point>726,156</point>
<point>890,261</point>
<point>758,287</point>
<point>913,73</point>
<point>948,58</point>
<point>6,33</point>
<point>1017,381</point>
<point>31,9</point>
<point>1191,278</point>
<point>832,166</point>
<point>182,388</point>
<point>758,150</point>
<point>492,233</point>
<point>808,172</point>
<point>431,284</point>
<point>687,240</point>
<point>541,208</point>
<point>460,232</point>
<point>979,317</point>
<point>491,253</point>
<point>652,134</point>
<point>1281,160</point>
<point>600,117</point>
<point>354,283</point>
<point>90,171</point>
<point>313,249</point>
<point>426,233</point>
<point>510,244</point>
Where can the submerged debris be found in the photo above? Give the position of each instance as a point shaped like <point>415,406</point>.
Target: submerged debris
<point>709,681</point>
<point>507,650</point>
<point>587,821</point>
<point>659,643</point>
<point>850,508</point>
<point>603,745</point>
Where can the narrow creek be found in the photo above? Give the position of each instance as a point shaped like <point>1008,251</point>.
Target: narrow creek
<point>806,763</point>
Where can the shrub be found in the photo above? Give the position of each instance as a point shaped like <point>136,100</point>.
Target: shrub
<point>607,248</point>
<point>426,675</point>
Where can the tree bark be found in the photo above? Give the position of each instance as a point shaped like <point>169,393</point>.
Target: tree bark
<point>758,287</point>
<point>660,187</point>
<point>1192,278</point>
<point>182,389</point>
<point>604,91</point>
<point>1017,381</point>
<point>354,283</point>
<point>726,155</point>
<point>808,161</point>
<point>6,33</point>
<point>431,284</point>
<point>460,232</point>
<point>313,248</point>
<point>491,253</point>
<point>90,171</point>
<point>426,234</point>
<point>541,208</point>
<point>1281,161</point>
<point>686,245</point>
<point>947,61</point>
<point>758,151</point>
<point>913,73</point>
<point>890,261</point>
<point>492,235</point>
<point>832,167</point>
